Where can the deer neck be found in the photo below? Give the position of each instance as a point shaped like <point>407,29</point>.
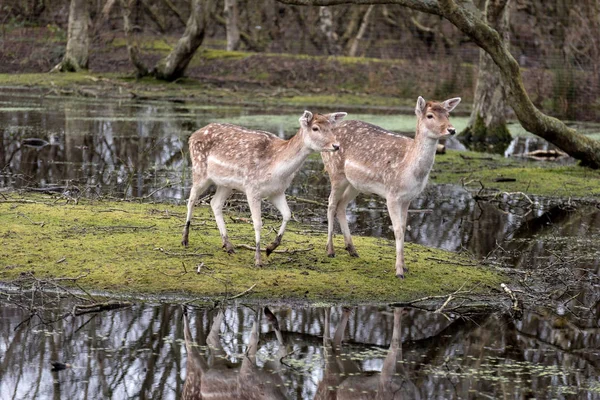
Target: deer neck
<point>421,155</point>
<point>290,154</point>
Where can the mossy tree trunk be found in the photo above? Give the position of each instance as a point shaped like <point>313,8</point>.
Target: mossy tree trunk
<point>78,40</point>
<point>487,129</point>
<point>462,15</point>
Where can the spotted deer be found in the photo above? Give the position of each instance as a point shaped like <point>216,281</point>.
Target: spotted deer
<point>373,160</point>
<point>257,163</point>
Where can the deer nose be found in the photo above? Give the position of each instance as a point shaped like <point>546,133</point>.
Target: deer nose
<point>336,147</point>
<point>451,131</point>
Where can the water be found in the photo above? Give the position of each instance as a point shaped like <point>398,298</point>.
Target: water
<point>137,149</point>
<point>140,352</point>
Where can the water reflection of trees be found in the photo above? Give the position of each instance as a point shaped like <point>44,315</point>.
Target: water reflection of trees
<point>123,150</point>
<point>140,352</point>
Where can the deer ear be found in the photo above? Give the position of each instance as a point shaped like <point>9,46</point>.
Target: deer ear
<point>451,104</point>
<point>305,119</point>
<point>336,117</point>
<point>420,108</point>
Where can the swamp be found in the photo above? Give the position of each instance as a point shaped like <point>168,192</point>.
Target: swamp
<point>100,300</point>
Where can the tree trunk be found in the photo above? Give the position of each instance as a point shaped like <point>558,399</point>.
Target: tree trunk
<point>533,120</point>
<point>486,130</point>
<point>232,17</point>
<point>78,40</point>
<point>353,50</point>
<point>132,48</point>
<point>174,65</point>
<point>326,26</point>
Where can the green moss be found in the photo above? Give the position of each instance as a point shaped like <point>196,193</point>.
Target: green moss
<point>158,45</point>
<point>135,248</point>
<point>215,54</point>
<point>539,178</point>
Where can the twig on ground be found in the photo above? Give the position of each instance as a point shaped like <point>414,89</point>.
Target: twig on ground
<point>245,292</point>
<point>180,254</point>
<point>286,251</point>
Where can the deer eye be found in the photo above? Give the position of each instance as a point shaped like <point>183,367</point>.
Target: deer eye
<point>429,116</point>
<point>315,128</point>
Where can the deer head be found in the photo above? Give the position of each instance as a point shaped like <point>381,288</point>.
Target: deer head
<point>433,118</point>
<point>317,130</point>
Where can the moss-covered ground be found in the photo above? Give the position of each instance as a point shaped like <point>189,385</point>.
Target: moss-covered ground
<point>134,248</point>
<point>479,170</point>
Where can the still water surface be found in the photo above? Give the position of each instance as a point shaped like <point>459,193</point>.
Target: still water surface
<point>138,149</point>
<point>157,352</point>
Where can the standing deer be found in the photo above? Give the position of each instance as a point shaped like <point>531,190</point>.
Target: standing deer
<point>254,162</point>
<point>373,160</point>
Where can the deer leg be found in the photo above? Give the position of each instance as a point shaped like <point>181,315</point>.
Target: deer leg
<point>404,207</point>
<point>334,198</point>
<point>350,194</point>
<point>254,203</point>
<point>216,203</point>
<point>395,208</point>
<point>281,204</point>
<point>195,192</point>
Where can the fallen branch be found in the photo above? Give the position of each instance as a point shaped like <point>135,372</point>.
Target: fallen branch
<point>451,262</point>
<point>181,254</point>
<point>97,307</point>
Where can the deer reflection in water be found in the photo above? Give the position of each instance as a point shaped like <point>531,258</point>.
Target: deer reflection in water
<point>214,377</point>
<point>343,378</point>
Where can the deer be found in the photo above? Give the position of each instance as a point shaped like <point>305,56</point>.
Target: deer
<point>257,163</point>
<point>376,161</point>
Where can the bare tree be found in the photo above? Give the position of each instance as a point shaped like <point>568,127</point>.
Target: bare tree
<point>78,39</point>
<point>487,125</point>
<point>173,66</point>
<point>462,15</point>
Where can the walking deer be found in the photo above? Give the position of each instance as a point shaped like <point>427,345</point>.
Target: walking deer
<point>257,163</point>
<point>373,160</point>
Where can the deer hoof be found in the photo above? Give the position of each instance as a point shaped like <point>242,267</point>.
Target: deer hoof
<point>400,276</point>
<point>352,251</point>
<point>270,248</point>
<point>229,248</point>
<point>184,242</point>
<point>330,255</point>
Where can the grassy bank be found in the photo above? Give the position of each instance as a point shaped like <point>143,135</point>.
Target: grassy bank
<point>495,172</point>
<point>130,247</point>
